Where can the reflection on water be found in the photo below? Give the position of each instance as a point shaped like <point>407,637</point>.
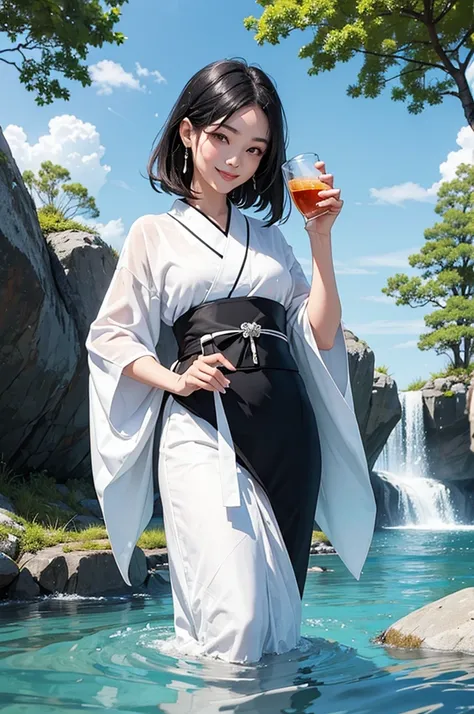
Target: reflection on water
<point>70,654</point>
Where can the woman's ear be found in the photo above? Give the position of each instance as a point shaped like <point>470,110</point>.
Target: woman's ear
<point>185,131</point>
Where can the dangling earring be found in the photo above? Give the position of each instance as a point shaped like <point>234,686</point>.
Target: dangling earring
<point>254,183</point>
<point>185,167</point>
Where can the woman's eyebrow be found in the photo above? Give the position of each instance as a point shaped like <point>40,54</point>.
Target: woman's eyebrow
<point>236,131</point>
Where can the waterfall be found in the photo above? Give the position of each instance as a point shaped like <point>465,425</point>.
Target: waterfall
<point>403,466</point>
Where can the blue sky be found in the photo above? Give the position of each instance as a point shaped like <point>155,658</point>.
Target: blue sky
<point>386,161</point>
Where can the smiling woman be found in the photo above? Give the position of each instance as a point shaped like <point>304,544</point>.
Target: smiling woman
<point>205,367</point>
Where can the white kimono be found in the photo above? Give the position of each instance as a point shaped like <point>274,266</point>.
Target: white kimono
<point>234,590</point>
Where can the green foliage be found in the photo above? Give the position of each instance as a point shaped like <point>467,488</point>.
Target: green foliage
<point>462,374</point>
<point>416,385</point>
<point>52,221</point>
<point>320,537</point>
<point>56,195</point>
<point>45,39</point>
<point>448,393</point>
<point>383,369</point>
<point>153,538</point>
<point>446,262</point>
<point>422,48</point>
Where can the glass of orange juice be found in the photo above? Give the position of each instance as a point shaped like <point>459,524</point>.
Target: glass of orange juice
<point>304,184</point>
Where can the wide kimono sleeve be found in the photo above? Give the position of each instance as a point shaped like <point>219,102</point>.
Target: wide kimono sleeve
<point>346,506</point>
<point>123,412</point>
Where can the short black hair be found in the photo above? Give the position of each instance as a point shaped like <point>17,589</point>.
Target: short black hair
<point>218,90</point>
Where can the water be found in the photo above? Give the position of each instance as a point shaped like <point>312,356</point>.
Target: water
<point>403,465</point>
<point>68,654</point>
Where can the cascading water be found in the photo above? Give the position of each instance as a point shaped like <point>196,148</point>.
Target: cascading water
<point>403,465</point>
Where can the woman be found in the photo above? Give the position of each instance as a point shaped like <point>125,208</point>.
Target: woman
<point>214,361</point>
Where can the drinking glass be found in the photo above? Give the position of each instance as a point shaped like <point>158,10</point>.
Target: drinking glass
<point>304,184</point>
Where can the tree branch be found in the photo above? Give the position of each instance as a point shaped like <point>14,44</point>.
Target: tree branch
<point>404,59</point>
<point>449,7</point>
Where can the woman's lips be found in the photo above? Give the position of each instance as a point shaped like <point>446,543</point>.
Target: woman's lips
<point>226,176</point>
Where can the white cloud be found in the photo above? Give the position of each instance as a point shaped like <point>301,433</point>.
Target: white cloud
<point>70,142</point>
<point>410,191</point>
<point>406,345</point>
<point>107,75</point>
<point>341,269</point>
<point>144,72</point>
<point>393,259</point>
<point>389,327</point>
<point>112,232</point>
<point>385,299</point>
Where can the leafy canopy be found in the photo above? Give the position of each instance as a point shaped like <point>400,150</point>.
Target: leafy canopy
<point>446,262</point>
<point>40,38</point>
<point>422,47</point>
<point>69,199</point>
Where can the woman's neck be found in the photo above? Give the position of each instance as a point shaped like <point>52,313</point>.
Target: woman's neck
<point>213,204</point>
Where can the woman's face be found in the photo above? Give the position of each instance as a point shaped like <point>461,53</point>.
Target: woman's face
<point>227,156</point>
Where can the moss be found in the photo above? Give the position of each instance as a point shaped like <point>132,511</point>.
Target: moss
<point>320,537</point>
<point>395,638</point>
<point>88,545</point>
<point>416,385</point>
<point>448,393</point>
<point>51,220</point>
<point>154,538</point>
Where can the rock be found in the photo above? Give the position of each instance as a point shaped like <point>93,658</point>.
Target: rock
<point>62,489</point>
<point>95,573</point>
<point>446,624</point>
<point>61,506</point>
<point>10,546</point>
<point>49,302</point>
<point>8,570</point>
<point>92,505</point>
<point>156,557</point>
<point>80,523</point>
<point>82,572</point>
<point>6,504</point>
<point>9,522</point>
<point>447,430</point>
<point>384,414</point>
<point>23,588</point>
<point>48,567</point>
<point>376,401</point>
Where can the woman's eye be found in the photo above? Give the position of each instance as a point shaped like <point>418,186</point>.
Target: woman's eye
<point>220,136</point>
<point>260,152</point>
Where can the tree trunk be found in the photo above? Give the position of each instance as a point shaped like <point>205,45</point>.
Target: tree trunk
<point>465,95</point>
<point>458,362</point>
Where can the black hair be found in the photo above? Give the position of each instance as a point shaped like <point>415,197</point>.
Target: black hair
<point>218,90</point>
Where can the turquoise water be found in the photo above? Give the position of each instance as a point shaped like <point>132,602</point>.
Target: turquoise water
<point>69,654</point>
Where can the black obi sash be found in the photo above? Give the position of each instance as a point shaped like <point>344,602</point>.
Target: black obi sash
<point>260,345</point>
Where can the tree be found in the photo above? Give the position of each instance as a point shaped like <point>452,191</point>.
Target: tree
<point>68,199</point>
<point>447,280</point>
<point>53,36</point>
<point>427,45</point>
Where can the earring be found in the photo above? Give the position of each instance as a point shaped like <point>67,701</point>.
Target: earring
<point>254,183</point>
<point>185,167</point>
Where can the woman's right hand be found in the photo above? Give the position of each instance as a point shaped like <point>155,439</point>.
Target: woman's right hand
<point>203,373</point>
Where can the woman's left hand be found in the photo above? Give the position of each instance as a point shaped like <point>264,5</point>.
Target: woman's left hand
<point>331,199</point>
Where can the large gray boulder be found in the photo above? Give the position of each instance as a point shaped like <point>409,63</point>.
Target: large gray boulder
<point>446,624</point>
<point>447,430</point>
<point>376,401</point>
<point>49,294</point>
<point>82,572</point>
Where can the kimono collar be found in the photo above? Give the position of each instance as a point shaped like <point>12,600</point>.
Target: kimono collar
<point>204,227</point>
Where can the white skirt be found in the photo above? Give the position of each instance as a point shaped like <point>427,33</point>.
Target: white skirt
<point>235,595</point>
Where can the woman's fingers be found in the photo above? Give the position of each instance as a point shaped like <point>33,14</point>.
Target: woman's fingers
<point>217,357</point>
<point>212,373</point>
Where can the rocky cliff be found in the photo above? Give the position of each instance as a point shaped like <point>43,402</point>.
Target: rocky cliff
<point>447,430</point>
